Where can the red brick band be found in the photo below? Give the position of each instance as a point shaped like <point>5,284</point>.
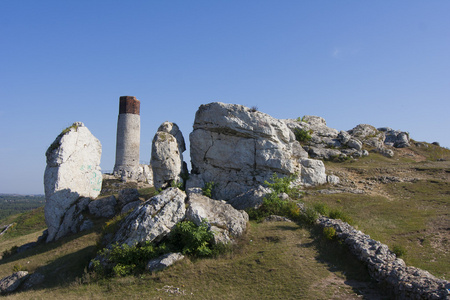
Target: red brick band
<point>129,105</point>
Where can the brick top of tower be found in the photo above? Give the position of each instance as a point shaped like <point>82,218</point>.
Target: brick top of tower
<point>129,105</point>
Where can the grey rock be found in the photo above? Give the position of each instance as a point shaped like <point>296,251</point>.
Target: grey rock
<point>131,206</point>
<point>313,172</point>
<point>33,280</point>
<point>103,208</point>
<point>274,218</point>
<point>73,171</point>
<point>73,219</point>
<point>167,158</point>
<point>153,220</point>
<point>10,283</point>
<point>333,179</point>
<point>253,198</point>
<point>383,265</point>
<point>225,222</point>
<point>127,195</point>
<point>238,148</point>
<point>163,262</point>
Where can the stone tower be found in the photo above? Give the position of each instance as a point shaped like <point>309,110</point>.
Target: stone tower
<point>128,138</point>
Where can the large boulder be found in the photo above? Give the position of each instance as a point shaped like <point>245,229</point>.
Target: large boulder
<point>225,222</point>
<point>153,220</point>
<point>395,138</point>
<point>313,172</point>
<point>164,261</point>
<point>239,148</point>
<point>103,208</point>
<point>12,282</point>
<point>73,171</point>
<point>167,158</point>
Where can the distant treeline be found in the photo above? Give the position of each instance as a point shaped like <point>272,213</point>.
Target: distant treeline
<point>16,204</point>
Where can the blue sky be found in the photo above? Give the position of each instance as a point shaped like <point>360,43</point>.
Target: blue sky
<point>384,63</point>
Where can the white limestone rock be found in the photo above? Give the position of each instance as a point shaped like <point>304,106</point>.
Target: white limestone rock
<point>238,148</point>
<point>225,222</point>
<point>73,171</point>
<point>153,220</point>
<point>167,159</point>
<point>164,261</point>
<point>313,172</point>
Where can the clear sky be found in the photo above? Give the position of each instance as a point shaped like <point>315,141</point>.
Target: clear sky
<point>384,63</point>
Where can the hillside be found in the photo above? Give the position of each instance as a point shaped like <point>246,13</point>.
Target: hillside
<point>401,201</point>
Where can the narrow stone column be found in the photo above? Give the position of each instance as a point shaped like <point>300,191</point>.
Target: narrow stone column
<point>128,138</point>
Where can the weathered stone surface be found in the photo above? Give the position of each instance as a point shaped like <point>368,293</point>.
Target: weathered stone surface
<point>10,283</point>
<point>145,174</point>
<point>131,206</point>
<point>225,222</point>
<point>238,148</point>
<point>127,195</point>
<point>369,135</point>
<point>154,219</point>
<point>313,172</point>
<point>253,198</point>
<point>73,220</point>
<point>103,208</point>
<point>72,172</point>
<point>383,265</point>
<point>333,179</point>
<point>395,138</point>
<point>33,280</point>
<point>160,263</point>
<point>167,159</point>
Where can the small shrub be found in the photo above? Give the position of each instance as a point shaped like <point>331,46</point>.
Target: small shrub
<point>192,239</point>
<point>178,185</point>
<point>254,108</point>
<point>17,268</point>
<point>280,184</point>
<point>208,189</point>
<point>399,251</point>
<point>337,214</point>
<point>329,233</point>
<point>303,136</point>
<point>321,208</point>
<point>310,216</point>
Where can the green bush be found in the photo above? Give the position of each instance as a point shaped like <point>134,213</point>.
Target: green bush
<point>338,214</point>
<point>303,136</point>
<point>399,251</point>
<point>321,208</point>
<point>310,216</point>
<point>191,239</point>
<point>280,184</point>
<point>329,233</point>
<point>208,189</point>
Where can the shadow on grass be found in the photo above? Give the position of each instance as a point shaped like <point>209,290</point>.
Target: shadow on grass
<point>338,259</point>
<point>44,247</point>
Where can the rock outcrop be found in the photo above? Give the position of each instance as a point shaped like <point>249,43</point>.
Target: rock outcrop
<point>395,138</point>
<point>12,282</point>
<point>153,220</point>
<point>72,172</point>
<point>325,142</point>
<point>225,222</point>
<point>103,208</point>
<point>383,265</point>
<point>238,148</point>
<point>167,158</point>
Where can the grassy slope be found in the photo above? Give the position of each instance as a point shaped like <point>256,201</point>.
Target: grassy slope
<point>277,260</point>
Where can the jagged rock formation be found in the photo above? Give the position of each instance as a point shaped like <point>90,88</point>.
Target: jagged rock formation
<point>239,148</point>
<point>383,265</point>
<point>103,208</point>
<point>226,222</point>
<point>395,138</point>
<point>72,172</point>
<point>167,158</point>
<point>154,219</point>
